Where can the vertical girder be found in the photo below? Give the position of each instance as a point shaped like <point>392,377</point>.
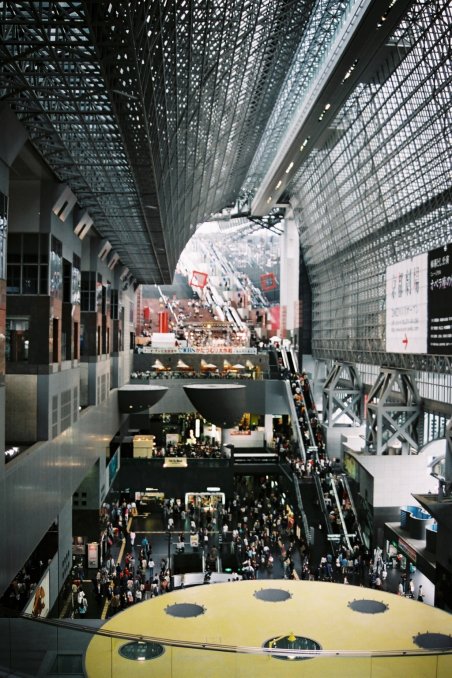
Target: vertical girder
<point>393,410</point>
<point>342,396</point>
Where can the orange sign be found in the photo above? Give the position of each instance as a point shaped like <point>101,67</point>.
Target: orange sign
<point>268,282</point>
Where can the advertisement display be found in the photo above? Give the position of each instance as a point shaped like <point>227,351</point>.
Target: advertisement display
<point>93,555</point>
<point>113,466</point>
<point>38,605</point>
<point>419,304</point>
<point>351,466</point>
<point>175,462</point>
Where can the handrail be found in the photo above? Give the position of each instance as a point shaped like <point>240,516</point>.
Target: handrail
<point>301,509</point>
<point>352,504</point>
<point>341,515</point>
<point>294,359</point>
<point>294,419</point>
<point>318,486</point>
<point>283,354</point>
<point>308,420</point>
<point>220,647</point>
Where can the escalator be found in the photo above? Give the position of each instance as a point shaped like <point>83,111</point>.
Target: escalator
<point>274,364</point>
<point>318,525</point>
<point>360,533</point>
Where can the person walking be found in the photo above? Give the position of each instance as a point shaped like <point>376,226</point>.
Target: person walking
<point>82,604</point>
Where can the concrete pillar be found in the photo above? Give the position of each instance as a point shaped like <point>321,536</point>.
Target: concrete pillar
<point>448,469</point>
<point>289,272</point>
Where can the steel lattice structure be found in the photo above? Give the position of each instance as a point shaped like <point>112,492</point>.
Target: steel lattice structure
<point>150,110</point>
<point>51,75</point>
<point>326,19</point>
<point>159,113</point>
<point>377,190</point>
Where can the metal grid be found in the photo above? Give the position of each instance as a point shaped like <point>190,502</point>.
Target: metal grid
<point>201,80</point>
<point>51,76</point>
<point>378,191</point>
<point>151,111</point>
<point>325,21</point>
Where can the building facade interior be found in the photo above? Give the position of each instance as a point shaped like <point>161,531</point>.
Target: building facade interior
<point>235,220</point>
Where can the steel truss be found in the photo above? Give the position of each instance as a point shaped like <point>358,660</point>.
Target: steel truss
<point>326,19</point>
<point>403,361</point>
<point>378,191</point>
<point>52,77</point>
<point>448,465</point>
<point>150,111</point>
<point>342,396</point>
<point>393,410</point>
<point>193,84</point>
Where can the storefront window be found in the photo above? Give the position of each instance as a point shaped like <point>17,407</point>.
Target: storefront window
<point>88,291</point>
<point>27,269</point>
<point>56,268</point>
<point>17,339</point>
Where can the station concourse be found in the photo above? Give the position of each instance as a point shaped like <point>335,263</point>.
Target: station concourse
<point>225,293</point>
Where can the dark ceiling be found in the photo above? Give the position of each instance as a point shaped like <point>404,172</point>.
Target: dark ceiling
<point>150,111</point>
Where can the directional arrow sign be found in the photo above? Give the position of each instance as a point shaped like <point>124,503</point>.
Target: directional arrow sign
<point>405,341</point>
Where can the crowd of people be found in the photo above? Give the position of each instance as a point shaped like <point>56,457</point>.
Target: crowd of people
<point>201,373</point>
<point>198,450</point>
<point>259,528</point>
<point>24,584</point>
<point>196,323</point>
<point>254,529</point>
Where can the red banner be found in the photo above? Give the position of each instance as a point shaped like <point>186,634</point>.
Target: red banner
<point>163,322</point>
<point>268,282</point>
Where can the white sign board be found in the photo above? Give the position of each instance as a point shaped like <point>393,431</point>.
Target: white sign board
<point>407,305</point>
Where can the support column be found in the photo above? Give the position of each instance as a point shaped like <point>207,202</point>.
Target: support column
<point>289,272</point>
<point>448,468</point>
<point>393,411</point>
<point>342,396</point>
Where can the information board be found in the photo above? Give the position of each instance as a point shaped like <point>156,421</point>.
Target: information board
<point>440,300</point>
<point>419,304</point>
<point>407,306</point>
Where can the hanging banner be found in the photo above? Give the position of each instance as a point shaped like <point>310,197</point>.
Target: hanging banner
<point>268,282</point>
<point>406,306</point>
<point>198,279</point>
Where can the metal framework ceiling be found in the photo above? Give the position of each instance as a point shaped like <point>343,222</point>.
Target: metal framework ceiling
<point>378,190</point>
<point>52,78</point>
<point>151,111</point>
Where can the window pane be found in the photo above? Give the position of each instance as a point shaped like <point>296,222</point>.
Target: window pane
<point>30,280</point>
